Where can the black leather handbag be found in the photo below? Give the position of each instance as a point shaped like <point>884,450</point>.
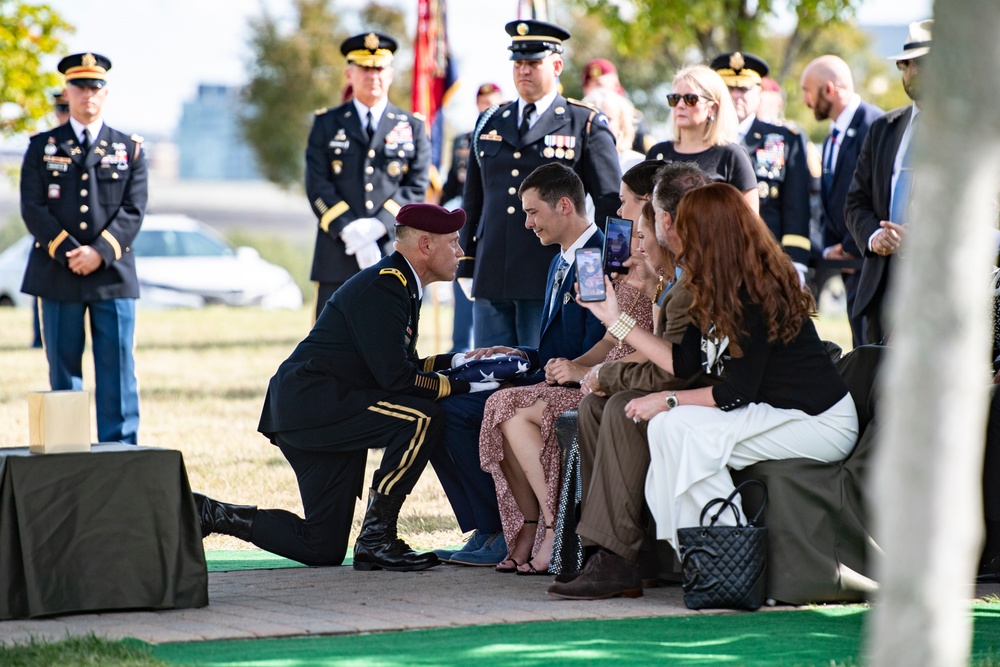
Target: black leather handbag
<point>724,567</point>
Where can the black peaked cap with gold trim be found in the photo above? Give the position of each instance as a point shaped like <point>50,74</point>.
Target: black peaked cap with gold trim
<point>740,70</point>
<point>371,49</point>
<point>533,40</point>
<point>86,69</point>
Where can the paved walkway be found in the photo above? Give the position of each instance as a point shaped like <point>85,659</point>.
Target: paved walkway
<point>323,601</point>
<point>314,601</point>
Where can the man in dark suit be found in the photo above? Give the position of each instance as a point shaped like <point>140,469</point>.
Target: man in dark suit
<point>83,197</point>
<point>552,199</point>
<point>778,155</point>
<point>878,200</point>
<point>828,89</point>
<point>365,159</point>
<point>355,383</point>
<point>510,141</point>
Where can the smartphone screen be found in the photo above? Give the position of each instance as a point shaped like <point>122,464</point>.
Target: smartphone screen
<point>590,274</point>
<point>617,245</point>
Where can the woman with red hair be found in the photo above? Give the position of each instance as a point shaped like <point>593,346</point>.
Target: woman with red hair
<point>778,393</point>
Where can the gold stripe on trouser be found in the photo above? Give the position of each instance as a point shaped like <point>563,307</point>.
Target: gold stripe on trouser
<point>406,461</point>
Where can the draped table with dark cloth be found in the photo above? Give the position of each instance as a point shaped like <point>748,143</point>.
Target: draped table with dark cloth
<point>112,529</point>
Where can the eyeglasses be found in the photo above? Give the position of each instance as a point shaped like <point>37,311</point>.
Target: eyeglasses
<point>690,99</point>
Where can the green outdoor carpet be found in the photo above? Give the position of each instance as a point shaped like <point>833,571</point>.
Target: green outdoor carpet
<point>226,560</point>
<point>800,638</point>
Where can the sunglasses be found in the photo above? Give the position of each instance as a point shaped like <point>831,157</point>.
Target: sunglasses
<point>62,108</point>
<point>690,99</point>
<point>906,64</point>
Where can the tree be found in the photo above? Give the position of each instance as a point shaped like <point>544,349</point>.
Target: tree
<point>649,40</point>
<point>295,72</point>
<point>928,502</point>
<point>27,34</point>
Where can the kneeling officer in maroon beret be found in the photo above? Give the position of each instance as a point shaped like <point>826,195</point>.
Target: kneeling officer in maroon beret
<point>355,383</point>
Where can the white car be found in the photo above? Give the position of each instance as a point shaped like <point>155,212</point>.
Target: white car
<point>180,263</point>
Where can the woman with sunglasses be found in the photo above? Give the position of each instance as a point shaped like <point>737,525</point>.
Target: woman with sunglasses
<point>704,124</point>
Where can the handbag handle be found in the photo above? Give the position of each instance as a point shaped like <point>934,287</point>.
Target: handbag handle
<point>731,504</point>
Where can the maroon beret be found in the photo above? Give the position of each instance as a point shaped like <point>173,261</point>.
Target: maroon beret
<point>431,218</point>
<point>488,89</point>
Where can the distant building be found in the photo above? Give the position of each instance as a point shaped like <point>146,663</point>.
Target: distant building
<point>209,139</point>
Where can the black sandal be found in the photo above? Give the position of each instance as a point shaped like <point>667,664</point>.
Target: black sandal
<point>505,570</point>
<point>532,571</point>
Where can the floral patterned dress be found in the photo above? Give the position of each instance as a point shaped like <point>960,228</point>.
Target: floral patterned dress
<point>501,406</point>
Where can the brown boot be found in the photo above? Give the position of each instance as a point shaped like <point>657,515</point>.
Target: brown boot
<point>604,575</point>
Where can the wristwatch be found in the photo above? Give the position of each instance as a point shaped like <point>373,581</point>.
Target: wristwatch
<point>672,401</point>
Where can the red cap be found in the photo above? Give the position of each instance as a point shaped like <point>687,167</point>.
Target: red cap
<point>431,218</point>
<point>599,67</point>
<point>488,89</point>
<point>767,83</point>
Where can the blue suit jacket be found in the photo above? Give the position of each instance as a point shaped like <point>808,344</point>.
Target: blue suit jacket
<point>568,330</point>
<point>834,228</point>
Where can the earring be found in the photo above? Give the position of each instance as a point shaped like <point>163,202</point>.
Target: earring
<point>711,119</point>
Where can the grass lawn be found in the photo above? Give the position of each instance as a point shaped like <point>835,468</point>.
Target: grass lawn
<point>202,377</point>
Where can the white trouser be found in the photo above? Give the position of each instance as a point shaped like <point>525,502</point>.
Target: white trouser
<point>691,449</point>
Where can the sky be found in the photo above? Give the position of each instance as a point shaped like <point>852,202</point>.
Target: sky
<point>161,51</point>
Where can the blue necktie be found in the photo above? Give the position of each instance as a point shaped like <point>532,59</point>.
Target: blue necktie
<point>828,163</point>
<point>557,282</point>
<point>899,210</point>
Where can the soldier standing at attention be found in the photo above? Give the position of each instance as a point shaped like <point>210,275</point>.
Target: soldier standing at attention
<point>83,197</point>
<point>510,267</point>
<point>778,154</point>
<point>365,160</point>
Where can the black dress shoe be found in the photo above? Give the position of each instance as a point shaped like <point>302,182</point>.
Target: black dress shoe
<point>605,575</point>
<point>218,517</point>
<point>378,546</point>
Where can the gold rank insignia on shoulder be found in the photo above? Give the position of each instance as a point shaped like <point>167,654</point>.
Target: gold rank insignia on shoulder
<point>394,272</point>
<point>419,116</point>
<point>320,111</point>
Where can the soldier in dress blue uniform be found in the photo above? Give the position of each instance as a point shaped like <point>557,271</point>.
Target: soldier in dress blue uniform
<point>355,383</point>
<point>83,197</point>
<point>365,160</point>
<point>778,154</point>
<point>487,95</point>
<point>509,142</point>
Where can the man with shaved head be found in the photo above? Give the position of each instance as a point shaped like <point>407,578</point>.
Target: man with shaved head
<point>828,89</point>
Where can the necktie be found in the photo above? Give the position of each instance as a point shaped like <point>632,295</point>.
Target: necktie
<point>899,209</point>
<point>85,144</point>
<point>557,282</point>
<point>828,162</point>
<point>525,118</point>
<point>370,127</point>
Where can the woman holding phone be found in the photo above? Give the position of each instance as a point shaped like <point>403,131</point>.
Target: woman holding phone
<point>517,443</point>
<point>777,393</point>
<point>705,131</point>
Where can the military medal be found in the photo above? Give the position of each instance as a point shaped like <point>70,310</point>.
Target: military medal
<point>771,158</point>
<point>54,190</point>
<point>50,149</point>
<point>393,169</point>
<point>570,153</point>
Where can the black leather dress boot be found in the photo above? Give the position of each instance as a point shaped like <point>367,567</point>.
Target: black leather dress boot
<point>378,547</point>
<point>216,517</point>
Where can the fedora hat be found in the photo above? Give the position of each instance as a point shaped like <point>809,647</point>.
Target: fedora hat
<point>918,41</point>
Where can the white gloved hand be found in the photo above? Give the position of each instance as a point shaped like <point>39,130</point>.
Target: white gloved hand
<point>361,232</point>
<point>466,285</point>
<point>801,268</point>
<point>367,255</point>
<point>482,386</point>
